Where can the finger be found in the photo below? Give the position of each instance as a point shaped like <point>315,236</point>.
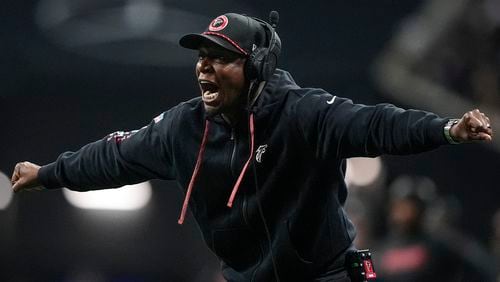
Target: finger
<point>17,186</point>
<point>485,121</point>
<point>486,118</point>
<point>15,174</point>
<point>476,112</point>
<point>474,124</point>
<point>487,126</point>
<point>482,126</point>
<point>481,137</point>
<point>485,137</point>
<point>484,129</point>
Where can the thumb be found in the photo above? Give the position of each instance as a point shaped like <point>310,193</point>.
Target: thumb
<point>18,186</point>
<point>15,174</point>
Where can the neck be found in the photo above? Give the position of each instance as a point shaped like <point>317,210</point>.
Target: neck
<point>240,110</point>
<point>233,117</point>
<point>253,92</point>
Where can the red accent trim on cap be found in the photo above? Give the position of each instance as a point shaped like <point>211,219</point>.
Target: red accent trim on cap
<point>228,39</point>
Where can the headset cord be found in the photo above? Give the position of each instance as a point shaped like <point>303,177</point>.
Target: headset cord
<point>264,221</point>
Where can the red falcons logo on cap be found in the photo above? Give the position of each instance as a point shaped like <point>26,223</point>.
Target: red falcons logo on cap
<point>218,23</point>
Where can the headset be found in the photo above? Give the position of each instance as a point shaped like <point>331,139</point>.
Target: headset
<point>262,62</point>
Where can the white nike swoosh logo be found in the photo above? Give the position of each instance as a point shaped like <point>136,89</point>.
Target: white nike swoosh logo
<point>332,100</point>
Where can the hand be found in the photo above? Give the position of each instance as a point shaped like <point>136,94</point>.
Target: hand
<point>473,126</point>
<point>25,177</point>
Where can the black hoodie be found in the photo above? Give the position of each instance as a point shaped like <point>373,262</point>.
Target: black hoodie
<point>287,221</point>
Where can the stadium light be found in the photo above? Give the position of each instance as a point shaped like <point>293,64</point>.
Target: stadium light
<point>129,197</point>
<point>5,191</point>
<point>363,171</point>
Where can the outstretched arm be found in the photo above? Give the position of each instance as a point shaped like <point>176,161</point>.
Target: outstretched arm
<point>119,159</point>
<point>338,127</point>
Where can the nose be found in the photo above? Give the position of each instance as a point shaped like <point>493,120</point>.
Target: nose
<point>205,65</point>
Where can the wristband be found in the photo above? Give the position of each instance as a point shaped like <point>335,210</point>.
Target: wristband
<point>447,129</point>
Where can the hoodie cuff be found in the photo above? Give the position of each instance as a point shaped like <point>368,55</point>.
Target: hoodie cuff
<point>436,131</point>
<point>47,176</point>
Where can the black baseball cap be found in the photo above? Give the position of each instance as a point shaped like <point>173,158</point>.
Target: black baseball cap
<point>238,33</point>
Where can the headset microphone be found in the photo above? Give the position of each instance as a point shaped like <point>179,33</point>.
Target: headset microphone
<point>274,18</point>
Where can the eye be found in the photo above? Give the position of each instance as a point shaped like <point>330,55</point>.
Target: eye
<point>226,58</point>
<point>202,55</point>
<point>222,59</point>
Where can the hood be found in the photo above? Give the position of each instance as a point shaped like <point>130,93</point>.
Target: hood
<point>275,90</point>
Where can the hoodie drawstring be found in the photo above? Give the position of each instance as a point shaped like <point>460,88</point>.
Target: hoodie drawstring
<point>195,172</point>
<point>198,164</point>
<point>243,171</point>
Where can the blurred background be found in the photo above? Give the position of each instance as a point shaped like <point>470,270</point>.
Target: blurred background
<point>75,70</point>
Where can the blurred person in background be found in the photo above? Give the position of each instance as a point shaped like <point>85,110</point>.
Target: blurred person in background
<point>261,160</point>
<point>467,58</point>
<point>442,221</point>
<point>412,252</point>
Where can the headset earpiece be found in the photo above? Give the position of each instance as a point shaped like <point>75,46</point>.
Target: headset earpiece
<point>257,65</point>
<point>262,62</point>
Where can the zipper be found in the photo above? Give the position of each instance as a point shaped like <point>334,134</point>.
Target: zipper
<point>233,153</point>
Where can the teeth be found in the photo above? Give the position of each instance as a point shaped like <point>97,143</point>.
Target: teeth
<point>210,96</point>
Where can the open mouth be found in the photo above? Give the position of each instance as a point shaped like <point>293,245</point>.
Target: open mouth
<point>210,91</point>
